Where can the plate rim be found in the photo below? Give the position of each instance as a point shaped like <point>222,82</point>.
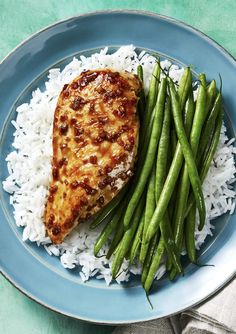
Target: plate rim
<point>123,11</point>
<point>166,18</point>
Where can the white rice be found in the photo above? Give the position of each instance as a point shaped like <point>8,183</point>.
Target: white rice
<point>29,167</point>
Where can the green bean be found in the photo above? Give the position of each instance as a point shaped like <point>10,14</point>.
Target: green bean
<point>173,141</point>
<point>210,90</point>
<point>184,186</point>
<point>179,218</point>
<point>208,156</point>
<point>137,240</point>
<point>146,128</point>
<point>183,91</point>
<point>115,241</point>
<point>166,193</point>
<point>188,155</point>
<point>109,208</point>
<point>189,234</point>
<point>148,163</point>
<point>141,104</point>
<point>157,257</point>
<point>108,229</point>
<point>188,119</point>
<point>212,149</point>
<point>124,245</point>
<point>148,259</point>
<point>198,120</point>
<point>150,201</point>
<point>162,153</point>
<point>173,274</point>
<point>152,94</point>
<point>120,230</point>
<point>189,114</point>
<point>211,95</point>
<point>140,72</point>
<point>149,209</point>
<point>170,245</point>
<point>168,263</point>
<point>209,126</point>
<point>151,100</point>
<point>173,145</point>
<point>172,201</point>
<point>202,78</point>
<point>184,88</point>
<point>185,85</point>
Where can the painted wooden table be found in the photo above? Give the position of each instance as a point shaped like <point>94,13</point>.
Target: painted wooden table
<point>21,18</point>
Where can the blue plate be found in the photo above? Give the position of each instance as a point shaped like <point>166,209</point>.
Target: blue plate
<point>29,267</point>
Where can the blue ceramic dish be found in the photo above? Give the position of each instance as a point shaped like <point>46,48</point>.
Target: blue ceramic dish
<point>29,267</point>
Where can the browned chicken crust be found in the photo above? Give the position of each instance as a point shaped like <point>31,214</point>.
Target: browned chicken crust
<point>95,134</point>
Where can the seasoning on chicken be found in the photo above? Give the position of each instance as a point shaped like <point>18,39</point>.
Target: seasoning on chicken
<point>95,136</point>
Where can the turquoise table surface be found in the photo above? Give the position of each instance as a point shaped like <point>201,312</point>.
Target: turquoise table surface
<point>21,18</point>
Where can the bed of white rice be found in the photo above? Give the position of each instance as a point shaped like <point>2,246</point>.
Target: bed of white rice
<point>29,166</point>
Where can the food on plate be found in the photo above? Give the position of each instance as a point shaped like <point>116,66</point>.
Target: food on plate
<point>95,136</point>
<point>151,225</point>
<point>152,220</point>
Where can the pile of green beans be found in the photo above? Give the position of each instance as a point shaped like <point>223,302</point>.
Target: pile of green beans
<point>154,217</point>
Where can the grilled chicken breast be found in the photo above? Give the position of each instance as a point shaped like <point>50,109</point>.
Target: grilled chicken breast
<point>95,135</point>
